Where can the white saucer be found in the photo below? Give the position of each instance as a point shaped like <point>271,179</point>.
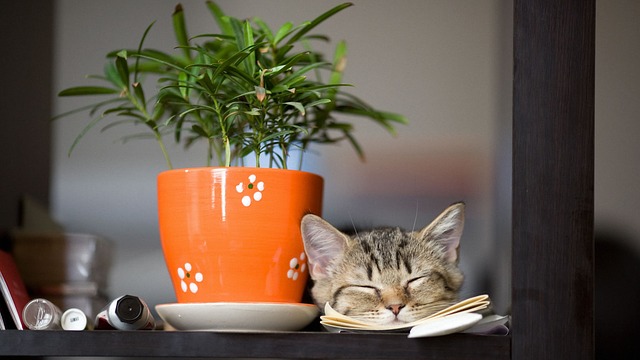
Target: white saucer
<point>238,316</point>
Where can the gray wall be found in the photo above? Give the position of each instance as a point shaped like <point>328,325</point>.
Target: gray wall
<point>617,185</point>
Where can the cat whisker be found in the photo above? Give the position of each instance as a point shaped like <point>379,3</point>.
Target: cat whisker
<point>415,218</point>
<point>432,308</point>
<point>355,230</point>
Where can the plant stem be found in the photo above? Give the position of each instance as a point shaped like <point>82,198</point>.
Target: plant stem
<point>164,150</point>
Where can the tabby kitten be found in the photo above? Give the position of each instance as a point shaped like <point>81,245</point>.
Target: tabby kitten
<point>386,275</point>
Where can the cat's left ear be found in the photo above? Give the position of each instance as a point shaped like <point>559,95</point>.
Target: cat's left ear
<point>323,244</point>
<point>446,229</point>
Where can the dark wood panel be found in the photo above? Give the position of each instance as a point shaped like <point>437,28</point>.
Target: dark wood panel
<point>292,345</point>
<point>553,164</point>
<point>25,104</point>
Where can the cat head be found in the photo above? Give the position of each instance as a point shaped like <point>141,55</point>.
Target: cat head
<point>386,275</point>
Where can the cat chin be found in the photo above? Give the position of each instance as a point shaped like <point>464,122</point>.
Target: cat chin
<point>390,320</point>
<point>396,322</point>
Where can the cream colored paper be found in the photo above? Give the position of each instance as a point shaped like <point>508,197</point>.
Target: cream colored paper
<point>336,321</point>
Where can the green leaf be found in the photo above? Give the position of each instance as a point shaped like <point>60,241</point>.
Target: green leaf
<point>244,38</point>
<point>250,61</point>
<point>221,19</point>
<point>339,63</point>
<point>318,102</point>
<point>92,107</point>
<point>180,30</point>
<point>199,130</point>
<point>123,68</point>
<point>297,105</point>
<point>82,133</point>
<point>160,61</point>
<point>356,146</point>
<point>253,112</point>
<point>266,31</point>
<point>382,118</point>
<point>305,69</point>
<point>182,80</point>
<point>292,81</point>
<point>113,75</point>
<point>136,66</point>
<point>227,65</point>
<point>88,90</point>
<point>317,21</point>
<point>118,123</point>
<point>282,32</point>
<point>139,93</point>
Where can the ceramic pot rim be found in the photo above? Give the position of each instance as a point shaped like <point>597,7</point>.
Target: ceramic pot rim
<point>236,168</point>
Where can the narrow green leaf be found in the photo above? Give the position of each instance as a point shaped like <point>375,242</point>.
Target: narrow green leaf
<point>91,107</point>
<point>123,68</point>
<point>317,21</point>
<point>221,19</point>
<point>182,80</point>
<point>160,61</point>
<point>266,31</point>
<point>356,146</point>
<point>305,69</point>
<point>112,75</point>
<point>250,61</point>
<point>253,112</point>
<point>339,63</point>
<point>297,105</point>
<point>318,102</point>
<point>118,123</point>
<point>282,32</point>
<point>140,44</point>
<point>139,93</point>
<point>244,38</point>
<point>180,30</point>
<point>88,90</point>
<point>199,130</point>
<point>82,133</point>
<point>293,81</point>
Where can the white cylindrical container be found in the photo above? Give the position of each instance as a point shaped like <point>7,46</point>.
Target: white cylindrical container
<point>73,319</point>
<point>127,312</point>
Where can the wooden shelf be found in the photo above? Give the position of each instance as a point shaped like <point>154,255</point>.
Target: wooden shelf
<point>291,345</point>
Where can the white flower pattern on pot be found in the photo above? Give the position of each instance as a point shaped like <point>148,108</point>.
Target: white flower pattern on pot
<point>256,187</point>
<point>297,265</point>
<point>187,282</point>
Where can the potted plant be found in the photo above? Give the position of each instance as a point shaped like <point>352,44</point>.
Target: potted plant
<point>247,91</point>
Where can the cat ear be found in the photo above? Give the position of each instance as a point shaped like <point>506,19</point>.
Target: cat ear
<point>322,242</point>
<point>446,229</point>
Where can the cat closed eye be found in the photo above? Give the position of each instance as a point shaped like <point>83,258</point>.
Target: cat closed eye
<point>416,281</point>
<point>366,289</point>
<point>430,277</point>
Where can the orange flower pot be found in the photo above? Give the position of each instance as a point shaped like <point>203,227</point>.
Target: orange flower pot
<point>233,234</point>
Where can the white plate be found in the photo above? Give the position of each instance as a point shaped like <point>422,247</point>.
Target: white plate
<point>238,316</point>
<point>445,325</point>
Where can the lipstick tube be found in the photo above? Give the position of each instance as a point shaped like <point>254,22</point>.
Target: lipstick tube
<point>126,312</point>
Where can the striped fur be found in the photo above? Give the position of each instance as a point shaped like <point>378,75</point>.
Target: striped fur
<point>386,275</point>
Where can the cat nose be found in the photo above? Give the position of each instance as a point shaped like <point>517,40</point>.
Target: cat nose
<point>395,308</point>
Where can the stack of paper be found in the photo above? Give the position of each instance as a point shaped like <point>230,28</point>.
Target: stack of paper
<point>456,317</point>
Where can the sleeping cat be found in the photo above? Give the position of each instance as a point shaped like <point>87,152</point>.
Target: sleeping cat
<point>386,275</point>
